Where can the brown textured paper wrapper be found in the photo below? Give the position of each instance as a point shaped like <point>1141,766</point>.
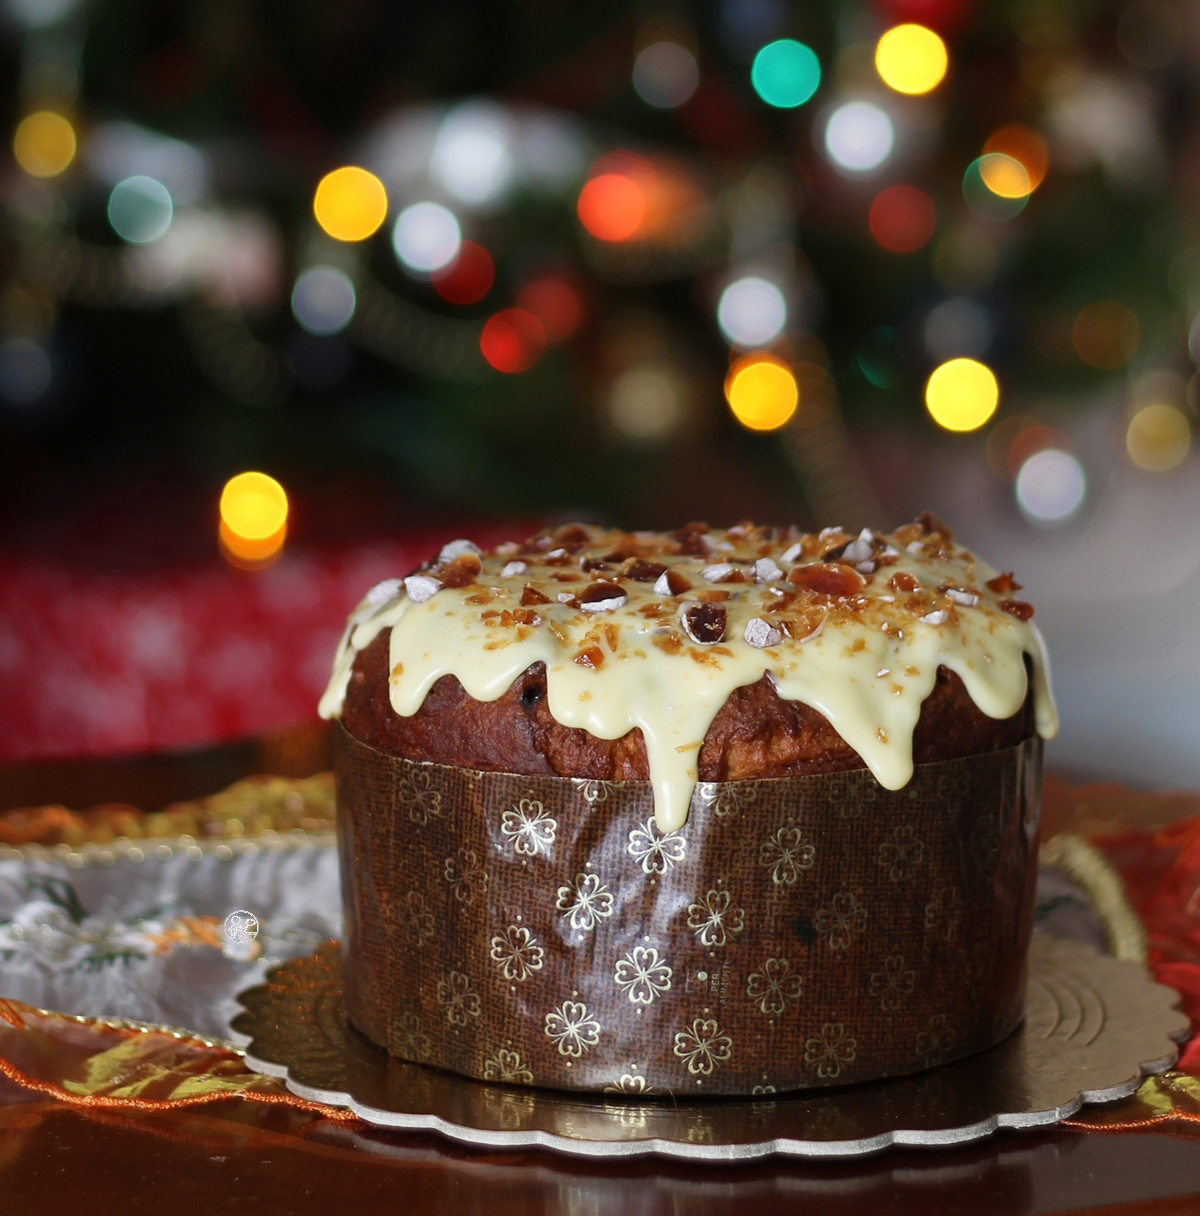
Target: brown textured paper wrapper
<point>796,932</point>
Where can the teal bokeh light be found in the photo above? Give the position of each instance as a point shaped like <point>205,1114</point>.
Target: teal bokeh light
<point>785,73</point>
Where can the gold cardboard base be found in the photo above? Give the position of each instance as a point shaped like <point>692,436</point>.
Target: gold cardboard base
<point>1093,1028</point>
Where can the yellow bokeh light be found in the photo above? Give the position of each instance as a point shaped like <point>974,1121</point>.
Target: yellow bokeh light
<point>762,392</point>
<point>1004,175</point>
<point>911,59</point>
<point>350,203</point>
<point>1158,438</point>
<point>44,144</point>
<point>254,511</point>
<point>962,395</point>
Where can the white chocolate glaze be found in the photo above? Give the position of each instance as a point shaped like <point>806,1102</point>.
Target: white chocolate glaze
<point>627,653</point>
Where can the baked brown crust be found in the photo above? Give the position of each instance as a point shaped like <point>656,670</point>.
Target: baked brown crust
<point>754,734</point>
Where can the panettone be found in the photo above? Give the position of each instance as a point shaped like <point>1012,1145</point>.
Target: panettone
<point>595,698</point>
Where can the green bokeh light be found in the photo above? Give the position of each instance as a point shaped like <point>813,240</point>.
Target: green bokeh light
<point>785,73</point>
<point>983,202</point>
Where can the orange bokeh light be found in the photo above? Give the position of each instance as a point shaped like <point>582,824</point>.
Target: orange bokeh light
<point>468,278</point>
<point>902,218</point>
<point>1025,145</point>
<point>512,340</point>
<point>253,511</point>
<point>612,207</point>
<point>556,303</point>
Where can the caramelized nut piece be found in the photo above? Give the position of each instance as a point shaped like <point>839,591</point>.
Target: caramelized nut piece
<point>462,571</point>
<point>903,582</point>
<point>761,634</point>
<point>931,524</point>
<point>531,595</point>
<point>703,623</point>
<point>1018,608</point>
<point>671,582</point>
<point>592,657</point>
<point>1003,582</point>
<point>834,580</point>
<point>602,597</point>
<point>644,572</point>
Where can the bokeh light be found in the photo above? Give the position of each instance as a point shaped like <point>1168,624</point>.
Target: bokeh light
<point>468,278</point>
<point>323,300</point>
<point>1051,486</point>
<point>25,371</point>
<point>1106,334</point>
<point>254,512</point>
<point>647,401</point>
<point>982,199</point>
<point>962,394</point>
<point>665,75</point>
<point>751,311</point>
<point>902,218</point>
<point>785,73</point>
<point>426,237</point>
<point>911,59</point>
<point>140,209</point>
<point>762,392</point>
<point>1024,145</point>
<point>350,203</point>
<point>859,136</point>
<point>958,326</point>
<point>556,302</point>
<point>1158,438</point>
<point>44,144</point>
<point>612,207</point>
<point>471,155</point>
<point>1032,438</point>
<point>512,340</point>
<point>1004,175</point>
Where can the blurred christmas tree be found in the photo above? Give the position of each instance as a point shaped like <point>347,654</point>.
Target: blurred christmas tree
<point>647,261</point>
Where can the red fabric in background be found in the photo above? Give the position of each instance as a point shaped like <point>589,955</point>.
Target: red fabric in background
<point>1161,873</point>
<point>96,661</point>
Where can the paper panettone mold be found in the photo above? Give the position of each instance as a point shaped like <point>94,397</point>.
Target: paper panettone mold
<point>795,932</point>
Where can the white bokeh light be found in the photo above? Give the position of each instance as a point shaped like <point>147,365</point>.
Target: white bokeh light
<point>426,237</point>
<point>751,311</point>
<point>471,156</point>
<point>323,300</point>
<point>140,209</point>
<point>665,75</point>
<point>859,136</point>
<point>1051,486</point>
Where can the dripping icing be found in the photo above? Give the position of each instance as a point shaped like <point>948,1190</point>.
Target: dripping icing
<point>654,660</point>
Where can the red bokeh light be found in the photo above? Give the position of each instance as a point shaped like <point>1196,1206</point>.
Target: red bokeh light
<point>1030,441</point>
<point>556,303</point>
<point>902,218</point>
<point>468,278</point>
<point>612,207</point>
<point>512,340</point>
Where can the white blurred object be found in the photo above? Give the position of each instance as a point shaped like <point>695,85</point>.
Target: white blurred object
<point>647,402</point>
<point>956,327</point>
<point>233,257</point>
<point>859,136</point>
<point>1111,120</point>
<point>426,237</point>
<point>115,151</point>
<point>665,75</point>
<point>39,14</point>
<point>751,311</point>
<point>1051,486</point>
<point>323,300</point>
<point>471,157</point>
<point>140,209</point>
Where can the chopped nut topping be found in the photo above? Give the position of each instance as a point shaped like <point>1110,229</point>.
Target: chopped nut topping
<point>862,549</point>
<point>513,569</point>
<point>458,548</point>
<point>644,572</point>
<point>931,525</point>
<point>1018,608</point>
<point>715,596</point>
<point>793,552</point>
<point>1002,583</point>
<point>421,587</point>
<point>832,580</point>
<point>382,592</point>
<point>761,634</point>
<point>671,582</point>
<point>703,623</point>
<point>967,599</point>
<point>602,597</point>
<point>462,571</point>
<point>936,618</point>
<point>900,581</point>
<point>718,573</point>
<point>766,571</point>
<point>531,595</point>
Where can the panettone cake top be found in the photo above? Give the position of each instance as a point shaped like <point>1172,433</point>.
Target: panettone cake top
<point>655,630</point>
